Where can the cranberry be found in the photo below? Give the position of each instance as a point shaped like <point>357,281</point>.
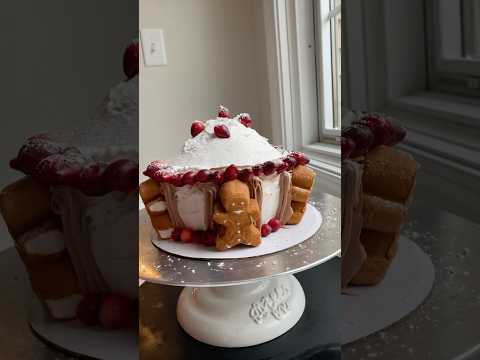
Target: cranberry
<point>380,128</point>
<point>301,158</point>
<point>198,237</point>
<point>223,112</point>
<point>176,234</point>
<point>398,132</point>
<point>274,224</point>
<point>281,167</point>
<point>231,173</point>
<point>196,128</point>
<point>202,176</point>
<point>174,179</point>
<point>153,167</point>
<point>121,175</point>
<point>188,178</point>
<point>290,161</point>
<point>257,170</point>
<point>88,308</point>
<point>361,136</point>
<point>210,238</point>
<point>130,60</point>
<point>218,177</point>
<point>245,175</point>
<point>246,120</point>
<point>186,236</point>
<point>221,131</point>
<point>266,230</point>
<point>115,311</point>
<point>90,180</point>
<point>268,168</point>
<point>347,147</point>
<point>58,169</point>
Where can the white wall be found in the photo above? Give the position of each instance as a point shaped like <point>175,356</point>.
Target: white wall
<point>216,55</point>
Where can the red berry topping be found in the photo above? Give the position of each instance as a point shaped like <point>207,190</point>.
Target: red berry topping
<point>379,126</point>
<point>257,170</point>
<point>268,168</point>
<point>34,150</point>
<point>176,234</point>
<point>223,112</point>
<point>90,180</point>
<point>153,167</point>
<point>245,175</point>
<point>221,131</point>
<point>58,169</point>
<point>196,128</point>
<point>88,309</point>
<point>266,230</point>
<point>290,161</point>
<point>231,173</point>
<point>115,311</point>
<point>274,224</point>
<point>121,175</point>
<point>246,120</point>
<point>398,132</point>
<point>130,60</point>
<point>186,236</point>
<point>188,178</point>
<point>361,136</point>
<point>301,158</point>
<point>282,167</point>
<point>347,147</point>
<point>218,177</point>
<point>174,179</point>
<point>210,238</point>
<point>202,176</point>
<point>198,237</point>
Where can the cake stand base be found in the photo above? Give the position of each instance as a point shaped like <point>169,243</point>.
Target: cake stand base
<point>241,315</point>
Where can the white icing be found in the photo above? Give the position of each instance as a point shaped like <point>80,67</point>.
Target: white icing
<point>41,241</point>
<point>165,234</point>
<point>63,308</point>
<point>191,206</point>
<point>270,197</point>
<point>157,206</point>
<point>244,147</point>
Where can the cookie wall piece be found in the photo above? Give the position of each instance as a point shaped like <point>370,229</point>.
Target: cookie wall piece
<point>156,206</point>
<point>383,215</point>
<point>381,248</point>
<point>389,173</point>
<point>24,204</point>
<point>303,179</point>
<point>238,219</point>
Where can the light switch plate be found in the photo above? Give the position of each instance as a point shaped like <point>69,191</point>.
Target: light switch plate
<point>153,46</point>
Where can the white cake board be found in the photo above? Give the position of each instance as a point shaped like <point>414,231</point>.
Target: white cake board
<point>372,308</point>
<point>284,238</point>
<point>75,338</point>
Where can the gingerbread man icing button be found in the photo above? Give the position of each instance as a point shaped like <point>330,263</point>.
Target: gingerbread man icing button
<point>237,215</point>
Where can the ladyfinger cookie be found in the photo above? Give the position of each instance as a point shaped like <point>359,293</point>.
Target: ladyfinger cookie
<point>389,173</point>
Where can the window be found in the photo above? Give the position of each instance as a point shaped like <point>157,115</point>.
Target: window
<point>328,23</point>
<point>454,45</point>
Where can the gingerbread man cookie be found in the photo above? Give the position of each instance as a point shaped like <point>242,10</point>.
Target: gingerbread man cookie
<point>302,183</point>
<point>239,216</point>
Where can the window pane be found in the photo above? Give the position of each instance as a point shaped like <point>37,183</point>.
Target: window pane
<point>336,26</point>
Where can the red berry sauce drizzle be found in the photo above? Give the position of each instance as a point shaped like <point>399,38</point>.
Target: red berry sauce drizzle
<point>369,131</point>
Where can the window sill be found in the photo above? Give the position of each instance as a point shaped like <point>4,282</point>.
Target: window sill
<point>441,127</point>
<point>325,157</point>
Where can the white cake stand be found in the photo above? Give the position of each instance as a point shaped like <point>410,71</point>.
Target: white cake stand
<point>242,302</point>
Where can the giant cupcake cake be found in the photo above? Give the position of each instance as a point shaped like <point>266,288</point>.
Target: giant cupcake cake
<point>229,186</point>
<point>74,215</point>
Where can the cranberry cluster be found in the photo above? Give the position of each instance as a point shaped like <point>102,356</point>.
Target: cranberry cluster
<point>368,132</point>
<point>55,164</point>
<point>160,172</point>
<point>221,131</point>
<point>272,226</point>
<point>111,311</point>
<point>207,238</point>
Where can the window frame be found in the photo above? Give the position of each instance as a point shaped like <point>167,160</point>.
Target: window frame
<point>295,105</point>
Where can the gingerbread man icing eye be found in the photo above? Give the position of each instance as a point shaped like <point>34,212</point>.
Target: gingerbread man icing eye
<point>233,204</point>
<point>242,203</point>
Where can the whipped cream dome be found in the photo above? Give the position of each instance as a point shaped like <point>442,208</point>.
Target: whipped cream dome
<point>244,147</point>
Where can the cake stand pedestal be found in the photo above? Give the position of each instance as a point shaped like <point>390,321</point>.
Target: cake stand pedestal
<point>241,302</point>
